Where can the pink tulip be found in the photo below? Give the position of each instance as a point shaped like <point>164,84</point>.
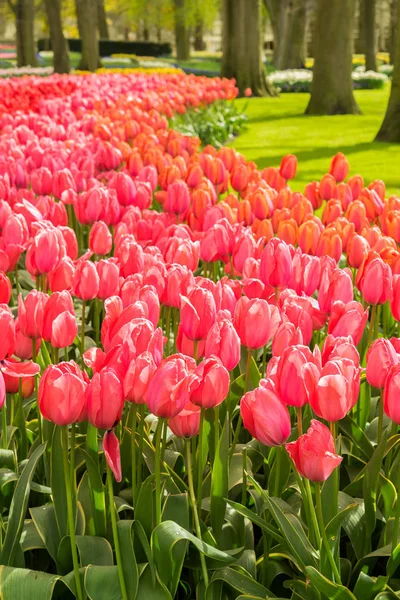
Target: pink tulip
<point>265,416</point>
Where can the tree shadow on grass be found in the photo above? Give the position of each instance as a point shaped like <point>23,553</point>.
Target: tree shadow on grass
<point>304,156</point>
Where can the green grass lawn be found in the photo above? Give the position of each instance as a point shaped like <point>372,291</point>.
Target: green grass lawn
<point>277,126</point>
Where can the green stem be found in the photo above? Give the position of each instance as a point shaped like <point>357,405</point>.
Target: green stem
<point>277,470</point>
<point>239,421</point>
<point>4,426</point>
<point>55,356</point>
<point>141,444</point>
<point>72,459</point>
<point>133,450</point>
<point>97,320</point>
<point>157,444</point>
<point>299,420</point>
<point>70,513</point>
<point>320,517</point>
<point>371,327</point>
<point>244,480</point>
<point>194,508</point>
<point>200,458</point>
<point>83,329</point>
<point>395,533</point>
<point>115,534</point>
<point>167,329</point>
<point>313,522</point>
<point>380,418</point>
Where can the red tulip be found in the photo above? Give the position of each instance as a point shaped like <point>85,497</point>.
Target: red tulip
<point>337,389</point>
<point>186,424</point>
<point>125,188</point>
<point>61,279</point>
<point>100,238</point>
<point>276,264</point>
<point>198,313</point>
<point>59,324</point>
<point>357,250</point>
<point>108,272</point>
<point>31,313</point>
<point>391,394</point>
<point>374,280</point>
<point>138,377</point>
<point>265,416</point>
<point>339,167</point>
<point>288,166</point>
<point>209,384</point>
<point>7,332</point>
<point>178,198</point>
<point>286,335</point>
<point>327,187</point>
<point>314,453</point>
<point>62,393</point>
<point>395,301</point>
<point>256,322</point>
<point>47,250</point>
<point>335,286</point>
<point>339,347</point>
<point>297,375</point>
<point>223,342</point>
<point>105,399</point>
<point>112,454</point>
<point>168,392</point>
<point>348,319</point>
<point>86,281</point>
<point>5,288</point>
<point>381,357</point>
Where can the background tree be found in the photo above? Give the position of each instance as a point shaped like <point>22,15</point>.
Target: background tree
<point>332,86</point>
<point>242,46</point>
<point>181,30</point>
<point>289,27</point>
<point>58,42</point>
<point>24,12</point>
<point>394,5</point>
<point>102,20</point>
<point>368,33</point>
<point>86,12</point>
<point>390,128</point>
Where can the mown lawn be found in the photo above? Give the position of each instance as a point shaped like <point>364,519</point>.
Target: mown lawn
<point>277,126</point>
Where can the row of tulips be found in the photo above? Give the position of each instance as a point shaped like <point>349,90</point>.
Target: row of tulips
<point>186,345</point>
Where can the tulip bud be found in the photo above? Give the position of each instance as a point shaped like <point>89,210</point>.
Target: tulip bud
<point>288,166</point>
<point>313,453</point>
<point>381,357</point>
<point>339,167</point>
<point>265,416</point>
<point>62,393</point>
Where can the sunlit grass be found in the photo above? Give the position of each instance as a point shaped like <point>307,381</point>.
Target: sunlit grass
<point>277,126</point>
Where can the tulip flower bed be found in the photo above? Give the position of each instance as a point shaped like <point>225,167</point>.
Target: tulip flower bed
<point>200,369</point>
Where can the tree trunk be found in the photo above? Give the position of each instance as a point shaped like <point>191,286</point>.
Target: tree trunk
<point>181,31</point>
<point>242,53</point>
<point>393,23</point>
<point>58,42</point>
<point>102,20</point>
<point>332,86</point>
<point>199,43</point>
<point>390,128</point>
<point>126,33</point>
<point>292,53</point>
<point>159,34</point>
<point>369,34</point>
<point>277,10</point>
<point>86,12</point>
<point>146,33</point>
<point>24,19</point>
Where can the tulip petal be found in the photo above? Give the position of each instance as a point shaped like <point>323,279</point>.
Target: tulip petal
<point>112,454</point>
<point>20,369</point>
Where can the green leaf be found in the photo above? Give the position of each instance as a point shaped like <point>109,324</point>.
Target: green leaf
<point>7,460</point>
<point>333,591</point>
<point>58,481</point>
<point>92,551</point>
<point>18,509</point>
<point>357,436</point>
<point>220,482</point>
<point>367,587</point>
<point>144,509</point>
<point>254,518</point>
<point>370,487</point>
<point>168,533</point>
<point>44,518</point>
<point>239,581</point>
<point>293,531</point>
<point>280,469</point>
<point>30,539</point>
<point>129,565</point>
<point>97,494</point>
<point>151,589</point>
<point>23,584</point>
<point>302,589</point>
<point>333,527</point>
<point>102,582</point>
<point>176,509</point>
